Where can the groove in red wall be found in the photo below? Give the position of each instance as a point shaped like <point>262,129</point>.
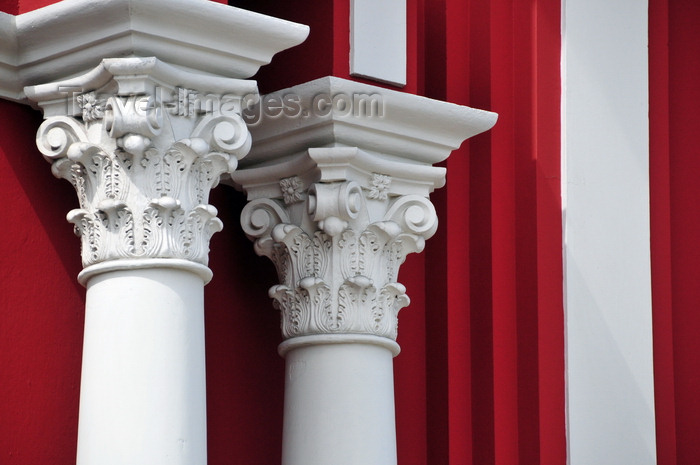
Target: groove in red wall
<point>660,219</point>
<point>546,118</point>
<point>674,60</point>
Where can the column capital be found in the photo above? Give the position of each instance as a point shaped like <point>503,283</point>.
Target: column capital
<point>143,143</point>
<point>337,233</point>
<point>339,195</point>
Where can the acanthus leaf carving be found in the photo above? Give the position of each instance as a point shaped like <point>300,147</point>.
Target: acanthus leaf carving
<point>142,170</point>
<point>339,278</point>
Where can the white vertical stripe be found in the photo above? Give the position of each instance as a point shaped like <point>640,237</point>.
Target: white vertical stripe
<point>605,149</point>
<point>378,40</point>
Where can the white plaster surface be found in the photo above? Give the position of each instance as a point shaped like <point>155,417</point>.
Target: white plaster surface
<point>143,393</point>
<point>378,40</point>
<point>610,394</point>
<point>339,405</point>
<point>71,37</point>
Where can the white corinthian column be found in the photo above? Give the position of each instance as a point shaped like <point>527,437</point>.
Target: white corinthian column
<point>338,187</point>
<point>142,156</point>
<point>142,139</point>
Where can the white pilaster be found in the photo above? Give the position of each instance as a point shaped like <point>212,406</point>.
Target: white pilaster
<point>609,357</point>
<point>383,60</point>
<point>338,185</point>
<point>142,139</point>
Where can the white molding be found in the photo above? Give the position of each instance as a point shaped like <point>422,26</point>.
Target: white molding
<point>341,164</point>
<point>609,351</point>
<point>408,126</point>
<point>323,339</point>
<point>142,76</point>
<point>8,58</point>
<point>72,36</point>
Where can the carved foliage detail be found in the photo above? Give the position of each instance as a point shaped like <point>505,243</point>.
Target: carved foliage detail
<point>142,192</point>
<point>339,281</point>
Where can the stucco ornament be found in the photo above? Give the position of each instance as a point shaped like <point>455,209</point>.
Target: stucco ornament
<point>141,164</point>
<point>339,252</point>
<point>291,189</point>
<point>380,186</point>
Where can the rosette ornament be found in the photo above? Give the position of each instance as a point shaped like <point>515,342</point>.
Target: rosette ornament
<point>143,144</point>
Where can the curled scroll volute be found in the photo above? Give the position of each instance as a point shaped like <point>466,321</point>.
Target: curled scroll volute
<point>54,139</point>
<point>415,215</point>
<point>258,218</point>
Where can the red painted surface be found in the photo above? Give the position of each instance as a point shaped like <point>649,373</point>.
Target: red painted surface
<point>310,60</point>
<point>410,367</point>
<point>661,245</point>
<point>674,55</point>
<point>9,6</point>
<point>41,304</point>
<point>30,5</point>
<point>504,388</point>
<point>546,153</point>
<point>245,375</point>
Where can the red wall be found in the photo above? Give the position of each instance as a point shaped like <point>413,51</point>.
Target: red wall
<point>501,395</point>
<point>674,58</point>
<point>480,379</point>
<point>41,304</point>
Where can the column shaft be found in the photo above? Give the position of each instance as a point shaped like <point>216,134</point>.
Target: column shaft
<point>339,405</point>
<point>143,393</point>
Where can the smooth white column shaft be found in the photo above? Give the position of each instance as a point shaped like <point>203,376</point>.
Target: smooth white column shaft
<point>339,406</point>
<point>143,395</point>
